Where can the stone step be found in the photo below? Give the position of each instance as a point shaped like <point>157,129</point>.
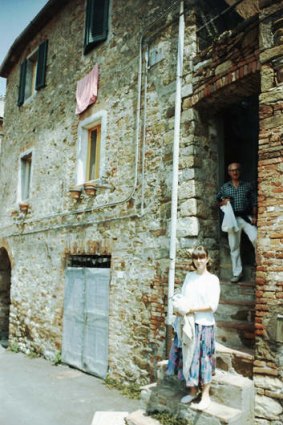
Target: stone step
<point>215,414</point>
<point>227,387</point>
<point>231,311</point>
<point>235,361</point>
<point>235,391</point>
<point>225,270</point>
<point>236,314</point>
<point>166,398</point>
<point>240,291</point>
<point>236,333</point>
<point>234,305</point>
<point>232,394</point>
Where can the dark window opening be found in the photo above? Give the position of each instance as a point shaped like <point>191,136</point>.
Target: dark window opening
<point>92,261</point>
<point>96,24</point>
<point>213,19</point>
<point>26,164</point>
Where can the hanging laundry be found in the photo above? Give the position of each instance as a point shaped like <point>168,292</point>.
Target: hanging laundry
<point>86,93</point>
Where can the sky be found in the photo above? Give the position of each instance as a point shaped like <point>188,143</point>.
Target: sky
<point>15,15</point>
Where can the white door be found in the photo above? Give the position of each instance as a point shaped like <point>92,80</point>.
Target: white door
<point>85,322</point>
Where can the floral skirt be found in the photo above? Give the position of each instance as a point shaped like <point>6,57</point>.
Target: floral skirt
<point>204,362</point>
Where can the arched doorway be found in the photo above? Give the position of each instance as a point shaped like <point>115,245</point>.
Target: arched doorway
<point>5,285</point>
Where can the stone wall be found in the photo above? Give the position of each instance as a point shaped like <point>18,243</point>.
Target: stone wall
<point>1,119</point>
<point>130,220</point>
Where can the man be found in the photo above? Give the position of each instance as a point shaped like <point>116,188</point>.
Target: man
<point>243,200</point>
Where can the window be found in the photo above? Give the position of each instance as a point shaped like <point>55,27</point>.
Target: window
<point>31,67</point>
<point>33,73</point>
<point>214,17</point>
<point>94,135</point>
<point>25,176</point>
<point>91,148</point>
<point>96,24</point>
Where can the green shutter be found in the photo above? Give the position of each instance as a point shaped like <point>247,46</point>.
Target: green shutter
<point>96,27</point>
<point>22,86</point>
<point>41,65</point>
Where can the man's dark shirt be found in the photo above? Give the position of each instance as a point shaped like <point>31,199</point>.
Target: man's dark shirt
<point>243,198</point>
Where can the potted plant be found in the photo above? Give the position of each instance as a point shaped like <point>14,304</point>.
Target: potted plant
<point>75,192</point>
<point>90,189</point>
<point>24,207</point>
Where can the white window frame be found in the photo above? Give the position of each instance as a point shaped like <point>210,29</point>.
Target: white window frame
<point>20,197</point>
<point>99,118</point>
<point>32,62</point>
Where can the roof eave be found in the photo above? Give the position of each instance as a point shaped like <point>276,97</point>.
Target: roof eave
<point>40,20</point>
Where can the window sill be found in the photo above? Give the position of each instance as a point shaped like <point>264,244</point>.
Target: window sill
<point>98,184</point>
<point>88,188</point>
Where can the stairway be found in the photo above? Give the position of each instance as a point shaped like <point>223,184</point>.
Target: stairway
<point>232,388</point>
<point>232,396</point>
<point>235,315</point>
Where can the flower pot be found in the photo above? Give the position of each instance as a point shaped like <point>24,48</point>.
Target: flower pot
<point>75,193</point>
<point>90,189</point>
<point>24,206</point>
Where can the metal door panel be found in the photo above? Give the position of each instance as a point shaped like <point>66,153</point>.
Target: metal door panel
<point>95,353</point>
<point>85,324</point>
<point>73,321</point>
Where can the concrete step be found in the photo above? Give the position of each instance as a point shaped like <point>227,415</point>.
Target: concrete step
<point>139,417</point>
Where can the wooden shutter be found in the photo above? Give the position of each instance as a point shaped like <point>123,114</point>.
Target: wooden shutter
<point>96,27</point>
<point>22,86</point>
<point>41,65</point>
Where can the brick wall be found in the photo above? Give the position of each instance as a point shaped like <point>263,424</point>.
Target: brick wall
<point>268,372</point>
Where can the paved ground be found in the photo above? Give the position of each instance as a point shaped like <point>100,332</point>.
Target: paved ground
<point>34,392</point>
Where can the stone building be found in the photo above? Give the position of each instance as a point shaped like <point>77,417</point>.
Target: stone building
<point>1,118</point>
<point>92,232</point>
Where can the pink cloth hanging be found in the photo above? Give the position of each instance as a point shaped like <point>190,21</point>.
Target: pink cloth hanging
<point>86,93</point>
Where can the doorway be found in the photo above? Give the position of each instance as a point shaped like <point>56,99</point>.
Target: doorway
<point>86,314</point>
<point>239,143</point>
<point>5,286</point>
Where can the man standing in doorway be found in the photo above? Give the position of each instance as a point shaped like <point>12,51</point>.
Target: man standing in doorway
<point>243,200</point>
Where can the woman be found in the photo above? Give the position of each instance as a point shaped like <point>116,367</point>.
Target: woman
<point>201,290</point>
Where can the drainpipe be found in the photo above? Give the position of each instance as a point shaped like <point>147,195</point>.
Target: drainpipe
<point>174,197</point>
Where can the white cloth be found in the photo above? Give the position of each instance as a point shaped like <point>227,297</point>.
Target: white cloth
<point>229,223</point>
<point>185,330</point>
<point>188,343</point>
<point>180,304</point>
<point>234,239</point>
<point>87,87</point>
